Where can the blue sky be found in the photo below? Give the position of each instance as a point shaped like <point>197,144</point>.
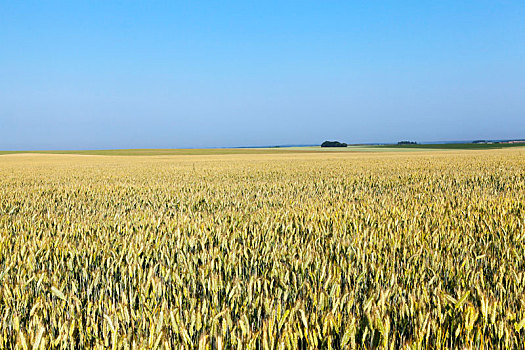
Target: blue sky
<point>169,74</point>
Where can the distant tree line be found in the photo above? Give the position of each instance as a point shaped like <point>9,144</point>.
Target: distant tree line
<point>333,144</point>
<point>407,143</point>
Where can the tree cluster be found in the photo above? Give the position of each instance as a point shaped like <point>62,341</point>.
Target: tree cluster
<point>333,144</point>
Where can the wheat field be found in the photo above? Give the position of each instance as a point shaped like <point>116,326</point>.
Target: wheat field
<point>263,251</point>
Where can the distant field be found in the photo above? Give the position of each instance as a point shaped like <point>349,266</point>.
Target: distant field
<point>271,150</point>
<point>466,146</point>
<point>418,147</point>
<point>365,148</point>
<point>161,152</point>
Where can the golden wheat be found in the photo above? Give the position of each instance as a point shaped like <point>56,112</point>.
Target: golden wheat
<point>278,251</point>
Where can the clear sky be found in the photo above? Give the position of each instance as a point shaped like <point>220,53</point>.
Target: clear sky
<point>170,74</point>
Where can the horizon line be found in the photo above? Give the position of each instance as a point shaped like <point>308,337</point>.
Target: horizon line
<point>263,146</point>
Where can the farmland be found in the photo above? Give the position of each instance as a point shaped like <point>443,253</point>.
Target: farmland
<point>276,149</point>
<point>265,250</point>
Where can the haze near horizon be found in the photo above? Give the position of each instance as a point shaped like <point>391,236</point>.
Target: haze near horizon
<point>91,75</point>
